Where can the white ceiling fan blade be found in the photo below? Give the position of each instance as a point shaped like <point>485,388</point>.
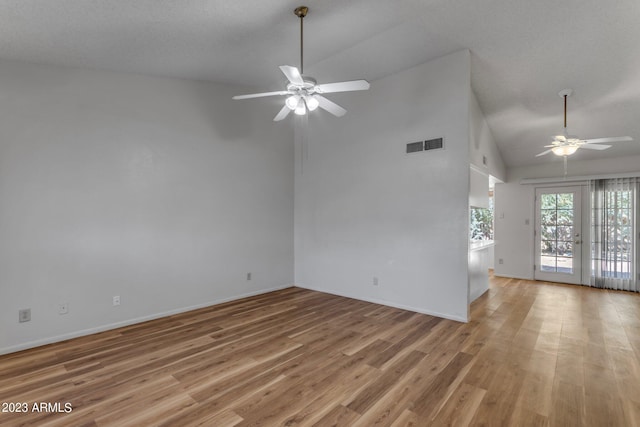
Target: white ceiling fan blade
<point>330,106</point>
<point>343,86</point>
<point>292,74</point>
<point>282,114</point>
<point>260,95</point>
<point>595,146</point>
<point>612,139</point>
<point>543,153</point>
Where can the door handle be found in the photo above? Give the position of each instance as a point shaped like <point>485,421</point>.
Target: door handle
<point>577,242</point>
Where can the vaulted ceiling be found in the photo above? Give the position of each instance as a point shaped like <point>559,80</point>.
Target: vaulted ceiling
<point>523,52</point>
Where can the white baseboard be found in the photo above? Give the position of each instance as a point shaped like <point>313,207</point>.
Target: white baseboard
<point>83,332</point>
<point>387,303</point>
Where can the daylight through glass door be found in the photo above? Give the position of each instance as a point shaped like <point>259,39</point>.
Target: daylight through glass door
<point>557,230</point>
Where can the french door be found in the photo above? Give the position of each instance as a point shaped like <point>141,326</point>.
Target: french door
<point>558,233</point>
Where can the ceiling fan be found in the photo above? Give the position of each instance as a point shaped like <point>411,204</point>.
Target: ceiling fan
<point>565,144</point>
<point>303,92</point>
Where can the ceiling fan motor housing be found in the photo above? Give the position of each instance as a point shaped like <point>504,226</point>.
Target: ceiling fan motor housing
<point>307,88</point>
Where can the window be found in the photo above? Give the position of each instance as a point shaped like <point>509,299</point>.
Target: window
<point>482,222</point>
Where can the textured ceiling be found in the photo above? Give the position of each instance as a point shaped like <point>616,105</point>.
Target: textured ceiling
<point>523,52</point>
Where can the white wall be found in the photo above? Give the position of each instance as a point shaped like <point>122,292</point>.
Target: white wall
<point>513,230</point>
<point>364,208</point>
<point>162,191</point>
<point>481,143</point>
<point>478,272</point>
<point>478,189</point>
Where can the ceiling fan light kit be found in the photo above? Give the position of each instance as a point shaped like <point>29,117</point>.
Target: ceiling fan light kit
<point>564,150</point>
<point>303,93</point>
<point>565,145</point>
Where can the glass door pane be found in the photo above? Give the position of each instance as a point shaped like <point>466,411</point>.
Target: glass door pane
<point>556,249</point>
<point>558,234</point>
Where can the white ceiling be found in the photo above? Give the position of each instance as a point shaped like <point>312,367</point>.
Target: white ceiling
<point>523,52</point>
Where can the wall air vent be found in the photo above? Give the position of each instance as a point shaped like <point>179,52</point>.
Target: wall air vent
<point>430,144</point>
<point>433,144</point>
<point>414,147</point>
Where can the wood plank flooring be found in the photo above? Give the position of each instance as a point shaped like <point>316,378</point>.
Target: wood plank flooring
<point>533,354</point>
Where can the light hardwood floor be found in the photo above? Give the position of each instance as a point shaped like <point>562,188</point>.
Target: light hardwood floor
<point>533,354</point>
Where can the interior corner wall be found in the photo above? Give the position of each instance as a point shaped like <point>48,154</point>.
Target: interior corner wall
<point>366,212</point>
<point>161,191</point>
<point>482,145</point>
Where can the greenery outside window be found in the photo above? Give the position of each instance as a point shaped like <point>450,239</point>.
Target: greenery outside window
<point>481,223</point>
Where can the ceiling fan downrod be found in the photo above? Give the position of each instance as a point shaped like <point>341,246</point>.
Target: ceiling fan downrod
<point>565,111</point>
<point>301,12</point>
<point>565,93</point>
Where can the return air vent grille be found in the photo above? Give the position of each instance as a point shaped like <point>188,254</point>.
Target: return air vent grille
<point>430,144</point>
<point>414,147</point>
<point>433,144</point>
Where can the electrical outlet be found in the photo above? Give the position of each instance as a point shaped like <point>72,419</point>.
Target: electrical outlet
<point>116,300</point>
<point>248,276</point>
<point>24,315</point>
<point>63,308</point>
<point>500,261</point>
<point>375,281</point>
